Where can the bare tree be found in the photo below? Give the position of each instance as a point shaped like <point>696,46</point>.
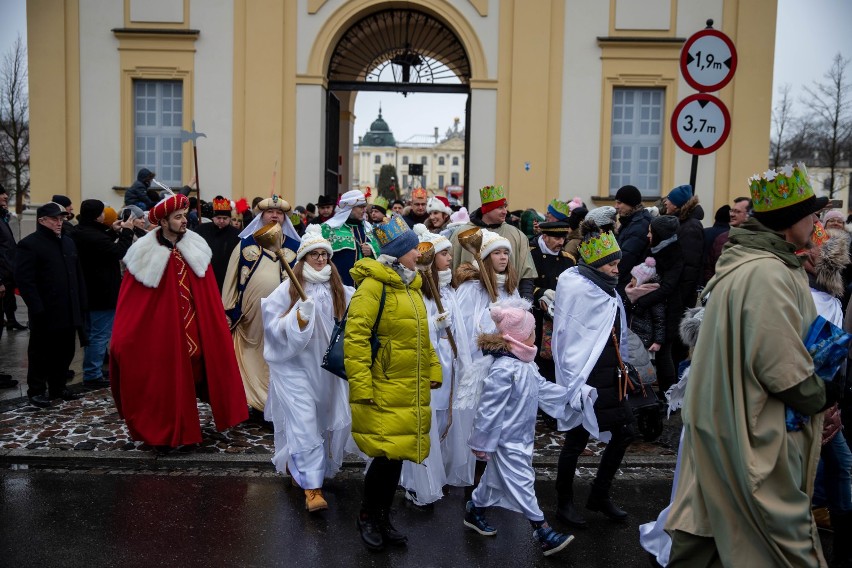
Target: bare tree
<point>783,121</point>
<point>830,118</point>
<point>14,123</point>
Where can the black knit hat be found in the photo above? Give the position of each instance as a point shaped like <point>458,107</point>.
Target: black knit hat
<point>63,200</point>
<point>664,227</point>
<point>576,217</point>
<point>629,195</point>
<point>90,209</point>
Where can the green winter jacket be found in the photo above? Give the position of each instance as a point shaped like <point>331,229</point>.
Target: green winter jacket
<point>390,401</point>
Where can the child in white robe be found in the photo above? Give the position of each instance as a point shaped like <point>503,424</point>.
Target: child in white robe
<point>308,406</point>
<point>473,300</point>
<point>424,482</point>
<point>504,426</point>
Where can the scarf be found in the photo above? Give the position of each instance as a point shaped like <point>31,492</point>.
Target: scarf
<point>445,277</point>
<point>501,280</point>
<point>316,276</point>
<point>753,234</point>
<point>407,275</point>
<point>544,248</point>
<point>525,353</point>
<point>604,282</point>
<point>663,244</point>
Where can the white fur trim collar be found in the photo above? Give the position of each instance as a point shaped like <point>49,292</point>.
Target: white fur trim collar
<point>147,259</point>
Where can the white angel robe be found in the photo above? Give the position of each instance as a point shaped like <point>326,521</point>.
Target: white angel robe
<point>473,301</point>
<point>582,324</point>
<point>504,427</point>
<point>427,479</point>
<point>308,406</point>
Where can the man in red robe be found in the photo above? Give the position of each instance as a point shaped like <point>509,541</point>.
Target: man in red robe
<point>170,342</point>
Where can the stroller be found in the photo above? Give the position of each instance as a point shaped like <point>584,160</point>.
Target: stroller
<point>647,407</point>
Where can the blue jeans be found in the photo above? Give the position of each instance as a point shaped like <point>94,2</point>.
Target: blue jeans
<point>99,330</point>
<point>834,481</point>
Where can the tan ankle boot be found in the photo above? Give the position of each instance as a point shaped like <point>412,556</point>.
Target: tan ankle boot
<point>314,500</point>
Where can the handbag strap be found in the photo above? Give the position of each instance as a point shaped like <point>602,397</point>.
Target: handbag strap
<point>627,381</point>
<point>381,309</point>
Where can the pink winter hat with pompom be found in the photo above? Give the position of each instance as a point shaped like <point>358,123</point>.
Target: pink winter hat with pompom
<point>644,272</point>
<point>513,322</point>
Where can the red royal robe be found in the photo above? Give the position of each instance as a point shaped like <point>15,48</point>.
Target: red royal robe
<point>151,372</point>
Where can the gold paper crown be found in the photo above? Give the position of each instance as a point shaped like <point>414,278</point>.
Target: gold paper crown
<point>773,190</point>
<point>221,205</point>
<point>386,232</point>
<point>491,193</point>
<point>419,193</point>
<point>599,247</point>
<point>381,202</point>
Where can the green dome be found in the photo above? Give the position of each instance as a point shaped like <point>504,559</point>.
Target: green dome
<point>379,134</point>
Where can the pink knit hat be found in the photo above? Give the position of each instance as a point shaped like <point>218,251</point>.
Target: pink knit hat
<point>645,272</point>
<point>515,325</point>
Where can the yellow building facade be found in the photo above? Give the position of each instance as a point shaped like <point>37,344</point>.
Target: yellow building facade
<point>272,85</point>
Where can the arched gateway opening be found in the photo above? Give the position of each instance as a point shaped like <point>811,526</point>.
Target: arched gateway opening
<point>395,51</point>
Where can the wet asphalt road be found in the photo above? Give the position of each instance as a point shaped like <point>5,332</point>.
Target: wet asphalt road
<point>82,519</point>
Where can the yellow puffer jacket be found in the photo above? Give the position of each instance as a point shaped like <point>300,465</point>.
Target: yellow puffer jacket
<point>390,401</point>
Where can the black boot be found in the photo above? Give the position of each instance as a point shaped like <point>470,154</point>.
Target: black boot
<point>604,504</point>
<point>389,532</point>
<point>371,535</point>
<point>841,547</point>
<point>569,514</point>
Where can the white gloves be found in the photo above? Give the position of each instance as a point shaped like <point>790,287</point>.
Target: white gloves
<point>443,321</point>
<point>547,301</point>
<point>306,310</point>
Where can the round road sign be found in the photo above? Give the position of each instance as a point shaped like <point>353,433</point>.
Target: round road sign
<point>700,124</point>
<point>708,60</point>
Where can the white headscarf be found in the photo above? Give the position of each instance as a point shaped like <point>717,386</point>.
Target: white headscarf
<point>350,199</point>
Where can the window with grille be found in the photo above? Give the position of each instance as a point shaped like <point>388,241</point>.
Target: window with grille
<point>405,160</point>
<point>455,160</point>
<point>637,139</point>
<point>441,182</point>
<point>377,159</point>
<point>423,160</point>
<point>441,161</point>
<point>158,117</point>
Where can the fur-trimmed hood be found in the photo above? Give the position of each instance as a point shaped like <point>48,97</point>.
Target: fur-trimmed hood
<point>492,342</point>
<point>466,271</point>
<point>828,268</point>
<point>147,259</point>
<point>691,209</point>
<point>690,325</point>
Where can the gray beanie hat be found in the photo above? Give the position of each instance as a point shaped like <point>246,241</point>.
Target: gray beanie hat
<point>602,216</point>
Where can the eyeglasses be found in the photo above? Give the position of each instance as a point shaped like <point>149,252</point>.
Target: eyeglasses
<point>318,254</point>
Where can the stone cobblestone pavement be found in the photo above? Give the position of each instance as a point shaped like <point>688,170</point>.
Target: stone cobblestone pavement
<point>92,425</point>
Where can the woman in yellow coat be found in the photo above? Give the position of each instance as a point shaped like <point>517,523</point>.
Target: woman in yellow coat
<point>390,396</point>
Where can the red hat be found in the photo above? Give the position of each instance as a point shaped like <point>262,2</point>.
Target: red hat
<point>166,207</point>
<point>439,203</point>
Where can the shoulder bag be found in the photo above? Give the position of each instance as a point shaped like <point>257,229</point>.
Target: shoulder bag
<point>334,359</point>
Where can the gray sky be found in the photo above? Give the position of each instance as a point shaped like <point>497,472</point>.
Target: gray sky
<point>809,33</point>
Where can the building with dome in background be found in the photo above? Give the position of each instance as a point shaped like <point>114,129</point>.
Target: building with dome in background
<point>441,159</point>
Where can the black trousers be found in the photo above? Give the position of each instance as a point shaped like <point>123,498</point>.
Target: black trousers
<point>575,442</point>
<point>10,303</point>
<point>666,372</point>
<point>380,484</point>
<point>50,353</point>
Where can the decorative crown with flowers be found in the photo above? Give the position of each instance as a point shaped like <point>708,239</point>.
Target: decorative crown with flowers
<point>773,190</point>
<point>561,207</point>
<point>419,193</point>
<point>221,205</point>
<point>386,232</point>
<point>491,193</point>
<point>599,247</point>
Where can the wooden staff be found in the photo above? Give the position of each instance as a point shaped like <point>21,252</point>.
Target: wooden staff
<point>269,237</point>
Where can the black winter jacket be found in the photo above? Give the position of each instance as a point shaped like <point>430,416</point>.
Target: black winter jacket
<point>49,277</point>
<point>632,240</point>
<point>609,411</point>
<point>7,253</point>
<point>138,192</point>
<point>690,235</point>
<point>669,272</point>
<point>100,250</point>
<point>649,322</point>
